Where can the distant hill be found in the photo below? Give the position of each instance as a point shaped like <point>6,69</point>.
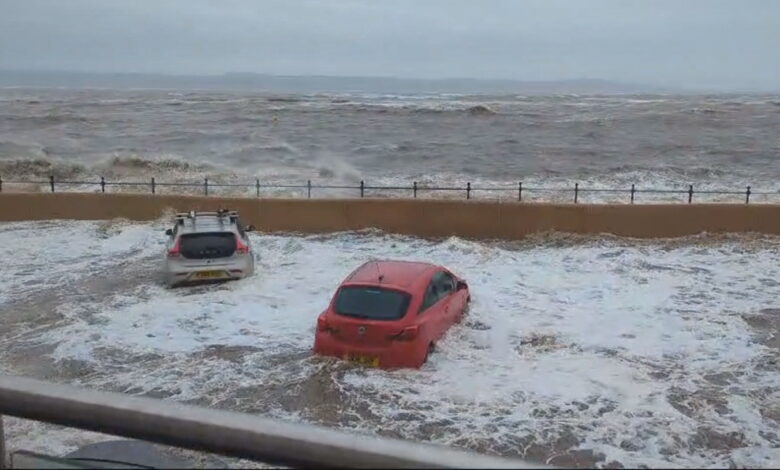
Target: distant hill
<point>310,84</point>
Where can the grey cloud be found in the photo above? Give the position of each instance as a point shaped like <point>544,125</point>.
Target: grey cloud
<point>724,44</point>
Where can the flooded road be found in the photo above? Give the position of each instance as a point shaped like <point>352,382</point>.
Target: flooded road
<point>576,352</point>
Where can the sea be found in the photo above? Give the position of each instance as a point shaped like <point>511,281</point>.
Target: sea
<point>654,142</point>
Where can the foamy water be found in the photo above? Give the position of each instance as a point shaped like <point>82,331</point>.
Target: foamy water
<point>575,351</point>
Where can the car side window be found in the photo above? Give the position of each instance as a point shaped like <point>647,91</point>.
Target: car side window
<point>431,296</point>
<point>442,284</point>
<point>446,284</point>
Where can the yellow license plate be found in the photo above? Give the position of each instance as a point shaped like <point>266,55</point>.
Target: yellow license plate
<point>208,274</point>
<point>369,361</point>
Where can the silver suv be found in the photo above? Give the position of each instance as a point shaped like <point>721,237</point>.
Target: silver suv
<point>208,246</point>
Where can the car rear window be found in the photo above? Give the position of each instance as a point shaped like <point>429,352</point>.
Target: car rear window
<point>372,303</point>
<point>207,245</point>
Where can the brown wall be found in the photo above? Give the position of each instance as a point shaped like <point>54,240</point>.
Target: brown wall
<point>427,218</point>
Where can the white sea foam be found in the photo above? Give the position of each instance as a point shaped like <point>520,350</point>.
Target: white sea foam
<point>39,255</point>
<point>629,332</point>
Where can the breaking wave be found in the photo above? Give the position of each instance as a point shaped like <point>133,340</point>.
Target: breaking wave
<point>165,165</point>
<point>117,166</point>
<point>480,110</point>
<point>39,168</point>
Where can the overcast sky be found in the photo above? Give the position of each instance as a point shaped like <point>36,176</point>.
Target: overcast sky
<point>681,43</point>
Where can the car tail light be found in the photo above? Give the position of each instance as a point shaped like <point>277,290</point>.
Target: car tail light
<point>175,251</point>
<point>323,325</point>
<point>241,247</point>
<point>407,334</point>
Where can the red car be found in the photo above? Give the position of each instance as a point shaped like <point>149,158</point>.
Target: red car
<point>391,313</point>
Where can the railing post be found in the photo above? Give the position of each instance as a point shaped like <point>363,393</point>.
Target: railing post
<point>308,189</point>
<point>102,184</point>
<point>747,195</point>
<point>153,190</point>
<point>257,187</point>
<point>51,182</point>
<point>520,191</point>
<point>576,191</point>
<point>633,190</point>
<point>414,189</point>
<point>468,190</point>
<point>362,188</point>
<point>206,186</point>
<point>690,193</point>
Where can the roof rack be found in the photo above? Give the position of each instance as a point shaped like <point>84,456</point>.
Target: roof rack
<point>221,213</point>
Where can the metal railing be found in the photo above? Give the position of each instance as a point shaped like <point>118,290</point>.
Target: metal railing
<point>2,444</point>
<point>153,186</point>
<point>224,432</point>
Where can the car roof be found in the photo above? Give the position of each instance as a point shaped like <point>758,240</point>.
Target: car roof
<point>397,273</point>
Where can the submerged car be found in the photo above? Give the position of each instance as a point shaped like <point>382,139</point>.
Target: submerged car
<point>390,314</point>
<point>208,246</point>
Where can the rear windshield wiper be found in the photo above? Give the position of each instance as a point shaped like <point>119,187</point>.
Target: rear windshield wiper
<point>356,315</point>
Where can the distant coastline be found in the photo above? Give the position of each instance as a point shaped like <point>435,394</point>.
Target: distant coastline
<point>315,83</point>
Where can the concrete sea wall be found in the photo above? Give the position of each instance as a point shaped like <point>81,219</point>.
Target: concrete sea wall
<point>418,217</point>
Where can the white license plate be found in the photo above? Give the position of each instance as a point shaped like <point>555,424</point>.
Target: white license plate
<point>209,274</point>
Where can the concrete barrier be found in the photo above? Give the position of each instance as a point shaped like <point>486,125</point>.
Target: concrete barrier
<point>419,217</point>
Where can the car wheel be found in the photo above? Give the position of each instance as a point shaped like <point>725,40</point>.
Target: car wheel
<point>463,313</point>
<point>431,348</point>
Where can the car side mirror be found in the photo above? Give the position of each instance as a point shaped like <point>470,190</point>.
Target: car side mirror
<point>462,285</point>
<point>249,228</point>
<point>169,232</point>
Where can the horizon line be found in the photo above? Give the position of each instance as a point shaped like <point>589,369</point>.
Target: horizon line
<point>635,87</point>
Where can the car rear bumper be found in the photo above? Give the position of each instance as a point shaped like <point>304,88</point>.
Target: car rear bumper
<point>177,273</point>
<point>176,279</point>
<point>398,354</point>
